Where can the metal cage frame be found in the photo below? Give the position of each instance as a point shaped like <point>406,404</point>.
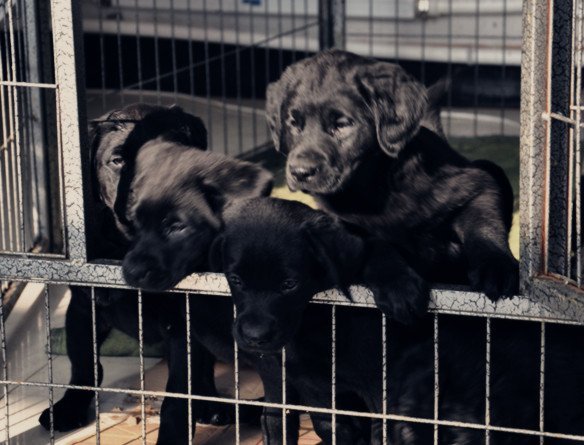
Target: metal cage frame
<point>546,297</point>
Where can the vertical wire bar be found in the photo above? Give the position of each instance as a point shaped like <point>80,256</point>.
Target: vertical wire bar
<point>16,164</point>
<point>7,133</point>
<point>293,24</point>
<point>384,375</point>
<point>95,364</point>
<point>207,74</point>
<point>476,69</point>
<point>568,251</point>
<point>449,70</point>
<point>488,382</point>
<point>238,78</point>
<point>190,48</point>
<point>156,51</point>
<point>504,65</point>
<point>436,378</point>
<point>252,76</point>
<point>17,119</point>
<point>189,366</point>
<point>141,351</point>
<point>138,52</point>
<point>119,44</point>
<point>371,30</point>
<point>306,32</point>
<point>396,28</point>
<point>267,51</point>
<point>101,55</point>
<point>280,38</point>
<point>334,372</point>
<point>423,63</point>
<point>223,78</point>
<point>542,383</point>
<point>173,50</point>
<point>4,239</point>
<point>4,369</point>
<point>236,384</point>
<point>49,363</point>
<point>578,153</point>
<point>284,420</point>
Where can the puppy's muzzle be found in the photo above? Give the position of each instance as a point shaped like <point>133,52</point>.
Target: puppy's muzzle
<point>305,165</point>
<point>255,335</point>
<point>142,272</point>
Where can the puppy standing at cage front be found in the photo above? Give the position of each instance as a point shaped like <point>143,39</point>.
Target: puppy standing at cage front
<point>357,137</point>
<point>277,254</point>
<point>115,139</point>
<point>177,196</point>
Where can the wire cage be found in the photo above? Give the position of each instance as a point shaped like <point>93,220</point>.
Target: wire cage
<point>66,62</point>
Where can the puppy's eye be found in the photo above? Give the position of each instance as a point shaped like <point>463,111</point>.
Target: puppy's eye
<point>117,161</point>
<point>289,284</point>
<point>175,228</point>
<point>295,120</point>
<point>234,280</point>
<point>342,122</point>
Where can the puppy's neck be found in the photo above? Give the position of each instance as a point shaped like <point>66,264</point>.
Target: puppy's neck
<point>365,192</point>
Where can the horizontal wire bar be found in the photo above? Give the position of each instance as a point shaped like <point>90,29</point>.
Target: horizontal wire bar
<point>572,122</point>
<point>314,409</point>
<point>13,83</point>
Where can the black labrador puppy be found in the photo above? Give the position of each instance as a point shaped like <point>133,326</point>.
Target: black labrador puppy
<point>356,135</point>
<point>277,254</point>
<point>115,139</point>
<point>174,208</point>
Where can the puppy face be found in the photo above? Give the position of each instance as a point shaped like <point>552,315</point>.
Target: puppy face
<point>331,112</point>
<point>175,205</point>
<point>276,255</point>
<point>116,136</point>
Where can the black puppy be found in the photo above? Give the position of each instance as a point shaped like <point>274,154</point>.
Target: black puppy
<point>351,128</point>
<point>115,138</point>
<point>277,254</point>
<point>174,208</point>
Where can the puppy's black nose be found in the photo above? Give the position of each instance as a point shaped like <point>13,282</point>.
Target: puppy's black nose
<point>139,271</point>
<point>256,334</point>
<point>303,172</point>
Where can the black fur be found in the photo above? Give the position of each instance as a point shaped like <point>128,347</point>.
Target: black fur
<point>174,209</point>
<point>110,154</point>
<point>356,137</point>
<point>277,254</point>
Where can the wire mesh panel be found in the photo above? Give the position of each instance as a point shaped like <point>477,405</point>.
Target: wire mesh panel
<point>30,210</point>
<point>213,58</point>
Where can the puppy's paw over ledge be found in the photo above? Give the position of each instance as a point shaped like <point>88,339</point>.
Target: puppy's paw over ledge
<point>403,298</point>
<point>495,275</point>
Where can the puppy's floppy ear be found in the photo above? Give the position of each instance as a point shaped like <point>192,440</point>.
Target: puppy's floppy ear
<point>274,98</point>
<point>189,129</point>
<point>339,251</point>
<point>231,179</point>
<point>216,254</point>
<point>396,100</point>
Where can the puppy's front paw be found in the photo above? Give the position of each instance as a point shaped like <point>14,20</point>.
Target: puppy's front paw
<point>496,275</point>
<point>66,417</point>
<point>217,414</point>
<point>403,298</point>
